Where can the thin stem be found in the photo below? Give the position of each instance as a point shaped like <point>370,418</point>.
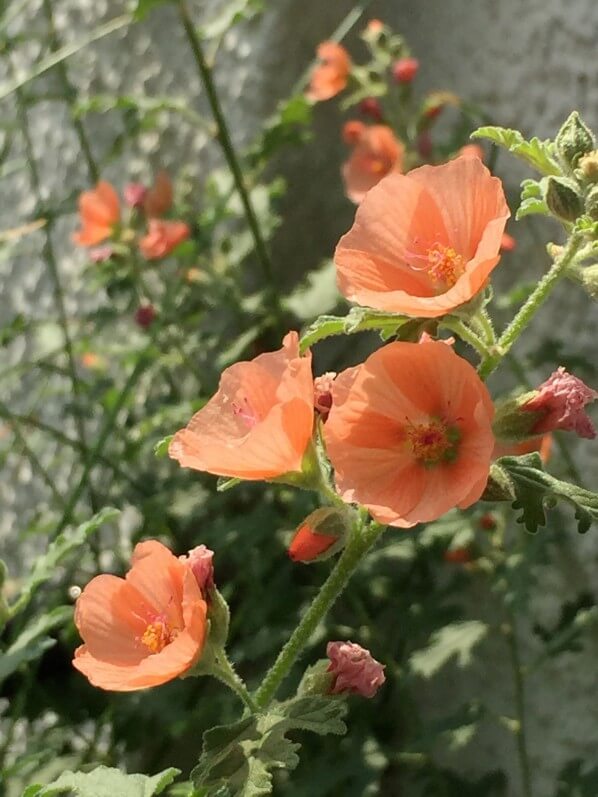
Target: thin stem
<point>519,683</point>
<point>230,155</point>
<point>359,543</point>
<point>226,673</point>
<point>485,322</point>
<point>535,300</point>
<point>467,334</point>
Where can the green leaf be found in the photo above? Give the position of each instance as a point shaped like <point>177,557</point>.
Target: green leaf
<point>32,641</point>
<point>67,542</point>
<point>222,743</point>
<point>539,154</point>
<point>318,714</point>
<point>534,488</point>
<point>143,7</point>
<point>223,484</point>
<point>359,319</point>
<point>161,447</point>
<point>532,199</point>
<point>454,640</point>
<point>105,782</point>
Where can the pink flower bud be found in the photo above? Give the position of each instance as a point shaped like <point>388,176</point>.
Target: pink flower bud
<point>101,253</point>
<point>134,194</point>
<point>405,69</point>
<point>145,315</point>
<point>200,560</point>
<point>323,393</point>
<point>353,131</point>
<point>562,399</point>
<point>354,669</point>
<point>372,108</point>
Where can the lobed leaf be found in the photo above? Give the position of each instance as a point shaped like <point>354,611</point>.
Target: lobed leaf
<point>539,154</point>
<point>104,782</point>
<point>359,319</point>
<point>33,641</point>
<point>455,640</point>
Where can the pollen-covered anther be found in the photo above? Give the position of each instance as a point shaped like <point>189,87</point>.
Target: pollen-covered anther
<point>445,265</point>
<point>157,635</point>
<point>433,442</point>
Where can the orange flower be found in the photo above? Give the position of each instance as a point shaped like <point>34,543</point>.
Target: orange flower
<point>158,199</point>
<point>259,423</point>
<point>332,73</point>
<point>472,151</point>
<point>543,445</point>
<point>162,237</point>
<point>99,210</point>
<point>142,630</point>
<point>377,152</point>
<point>410,433</point>
<point>424,243</point>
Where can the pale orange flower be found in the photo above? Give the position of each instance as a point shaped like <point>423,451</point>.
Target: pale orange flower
<point>99,211</point>
<point>425,242</point>
<point>162,237</point>
<point>259,423</point>
<point>377,152</point>
<point>332,73</point>
<point>158,199</point>
<point>410,433</point>
<point>144,629</point>
<point>472,151</point>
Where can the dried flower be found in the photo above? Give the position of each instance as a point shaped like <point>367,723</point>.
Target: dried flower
<point>561,400</point>
<point>354,669</point>
<point>201,561</point>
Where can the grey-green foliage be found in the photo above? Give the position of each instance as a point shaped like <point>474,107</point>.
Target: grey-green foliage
<point>104,782</point>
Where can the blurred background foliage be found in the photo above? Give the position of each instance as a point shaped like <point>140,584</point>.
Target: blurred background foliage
<point>87,393</point>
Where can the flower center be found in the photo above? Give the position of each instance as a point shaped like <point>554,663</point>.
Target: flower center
<point>157,635</point>
<point>433,442</point>
<point>242,410</point>
<point>445,266</point>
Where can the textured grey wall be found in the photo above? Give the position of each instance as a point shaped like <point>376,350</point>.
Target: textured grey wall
<point>528,61</point>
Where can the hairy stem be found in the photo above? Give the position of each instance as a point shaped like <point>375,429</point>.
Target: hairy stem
<point>361,540</point>
<point>467,334</point>
<point>226,673</point>
<point>519,684</point>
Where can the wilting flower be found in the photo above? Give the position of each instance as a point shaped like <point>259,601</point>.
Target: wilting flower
<point>354,669</point>
<point>332,73</point>
<point>99,211</point>
<point>561,401</point>
<point>320,530</point>
<point>405,69</point>
<point>259,423</point>
<point>162,237</point>
<point>376,153</point>
<point>134,194</point>
<point>323,393</point>
<point>145,315</point>
<point>158,199</point>
<point>144,629</point>
<point>201,561</point>
<point>425,242</point>
<point>410,433</point>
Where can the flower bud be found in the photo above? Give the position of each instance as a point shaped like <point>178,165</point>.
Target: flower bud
<point>574,140</point>
<point>354,669</point>
<point>134,194</point>
<point>488,522</point>
<point>201,561</point>
<point>316,680</point>
<point>145,315</point>
<point>588,165</point>
<point>374,27</point>
<point>100,254</point>
<point>589,280</point>
<point>592,203</point>
<point>371,107</point>
<point>511,425</point>
<point>323,393</point>
<point>563,198</point>
<point>405,69</point>
<point>353,131</point>
<point>316,536</point>
<point>458,556</point>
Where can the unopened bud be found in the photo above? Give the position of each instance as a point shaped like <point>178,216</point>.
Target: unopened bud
<point>319,536</point>
<point>201,561</point>
<point>458,556</point>
<point>371,107</point>
<point>499,486</point>
<point>588,165</point>
<point>323,393</point>
<point>589,280</point>
<point>353,131</point>
<point>316,680</point>
<point>145,315</point>
<point>563,198</point>
<point>405,69</point>
<point>134,194</point>
<point>574,140</point>
<point>511,424</point>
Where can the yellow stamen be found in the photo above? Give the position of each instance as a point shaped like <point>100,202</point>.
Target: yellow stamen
<point>157,635</point>
<point>434,442</point>
<point>444,265</point>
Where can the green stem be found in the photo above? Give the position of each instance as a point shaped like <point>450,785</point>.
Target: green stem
<point>467,334</point>
<point>520,732</point>
<point>226,673</point>
<point>532,305</point>
<point>486,325</point>
<point>230,155</point>
<point>361,540</point>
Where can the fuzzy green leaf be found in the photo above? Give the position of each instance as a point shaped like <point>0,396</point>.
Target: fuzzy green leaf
<point>161,447</point>
<point>539,154</point>
<point>104,782</point>
<point>359,319</point>
<point>33,640</point>
<point>454,640</point>
<point>534,488</point>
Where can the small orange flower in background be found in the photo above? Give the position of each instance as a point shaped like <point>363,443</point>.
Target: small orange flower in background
<point>332,73</point>
<point>142,630</point>
<point>162,237</point>
<point>259,423</point>
<point>425,242</point>
<point>377,152</point>
<point>410,433</point>
<point>99,210</point>
<point>158,199</point>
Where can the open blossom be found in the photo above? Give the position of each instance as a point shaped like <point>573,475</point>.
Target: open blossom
<point>162,237</point>
<point>330,76</point>
<point>354,669</point>
<point>144,629</point>
<point>99,212</point>
<point>376,153</point>
<point>158,199</point>
<point>425,242</point>
<point>561,401</point>
<point>410,433</point>
<point>259,423</point>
